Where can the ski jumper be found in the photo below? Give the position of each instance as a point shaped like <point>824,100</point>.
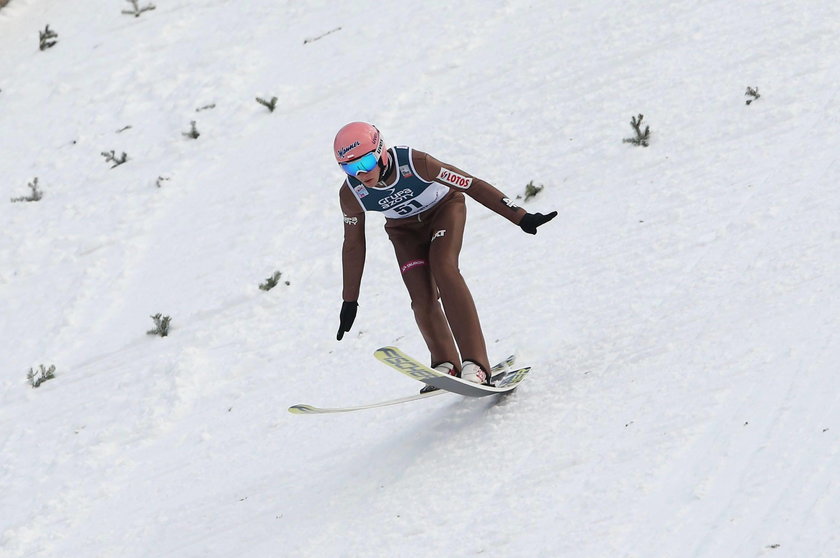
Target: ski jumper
<point>423,203</point>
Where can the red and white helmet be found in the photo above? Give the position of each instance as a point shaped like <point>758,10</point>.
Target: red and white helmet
<point>357,139</point>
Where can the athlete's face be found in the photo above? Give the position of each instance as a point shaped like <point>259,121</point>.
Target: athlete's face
<point>369,178</point>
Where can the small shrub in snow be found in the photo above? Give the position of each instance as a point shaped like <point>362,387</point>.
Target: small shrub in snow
<point>752,93</point>
<point>206,107</point>
<point>136,11</point>
<point>34,196</point>
<point>193,133</point>
<point>271,105</point>
<point>46,35</point>
<point>161,180</point>
<point>161,325</point>
<point>531,190</point>
<point>41,375</point>
<point>272,282</point>
<point>641,137</point>
<point>111,157</point>
<point>319,37</point>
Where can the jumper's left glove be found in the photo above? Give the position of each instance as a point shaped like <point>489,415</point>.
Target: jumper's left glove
<point>531,221</point>
<point>347,317</point>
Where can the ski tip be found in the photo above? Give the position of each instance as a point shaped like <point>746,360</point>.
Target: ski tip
<point>301,409</point>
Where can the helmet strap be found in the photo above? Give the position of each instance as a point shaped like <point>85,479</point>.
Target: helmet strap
<point>385,170</point>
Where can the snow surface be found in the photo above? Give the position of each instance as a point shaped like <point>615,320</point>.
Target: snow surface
<point>681,313</point>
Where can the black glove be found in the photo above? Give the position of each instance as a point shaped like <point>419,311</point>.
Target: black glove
<point>347,317</point>
<point>531,221</point>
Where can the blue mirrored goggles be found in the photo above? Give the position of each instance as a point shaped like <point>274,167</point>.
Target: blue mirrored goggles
<point>365,163</point>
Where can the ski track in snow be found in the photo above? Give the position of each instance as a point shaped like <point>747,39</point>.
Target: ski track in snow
<point>680,314</point>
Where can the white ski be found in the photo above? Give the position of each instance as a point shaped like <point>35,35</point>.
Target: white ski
<point>401,362</point>
<point>498,370</point>
<point>303,409</point>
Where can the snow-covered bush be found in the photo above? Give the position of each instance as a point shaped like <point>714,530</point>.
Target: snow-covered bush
<point>641,137</point>
<point>193,133</point>
<point>41,375</point>
<point>111,157</point>
<point>272,281</point>
<point>34,196</point>
<point>45,37</point>
<point>321,36</point>
<point>531,190</point>
<point>161,325</point>
<point>271,105</point>
<point>136,11</point>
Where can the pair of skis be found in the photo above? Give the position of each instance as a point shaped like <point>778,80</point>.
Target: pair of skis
<point>502,378</point>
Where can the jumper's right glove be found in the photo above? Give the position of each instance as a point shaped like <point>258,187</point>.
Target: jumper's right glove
<point>347,317</point>
<point>531,221</point>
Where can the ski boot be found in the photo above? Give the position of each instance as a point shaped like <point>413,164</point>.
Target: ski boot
<point>443,368</point>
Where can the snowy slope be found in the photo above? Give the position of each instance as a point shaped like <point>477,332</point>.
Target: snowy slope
<point>681,313</point>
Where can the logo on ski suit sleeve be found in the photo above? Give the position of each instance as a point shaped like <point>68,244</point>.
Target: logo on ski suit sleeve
<point>454,179</point>
<point>510,203</point>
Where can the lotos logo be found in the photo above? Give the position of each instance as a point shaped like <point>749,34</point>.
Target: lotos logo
<point>343,151</point>
<point>454,179</point>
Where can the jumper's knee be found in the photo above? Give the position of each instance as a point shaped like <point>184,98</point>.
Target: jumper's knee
<point>446,274</point>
